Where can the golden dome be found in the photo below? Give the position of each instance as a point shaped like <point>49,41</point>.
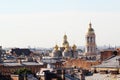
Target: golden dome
<point>56,47</point>
<point>67,46</point>
<point>66,50</point>
<point>65,42</point>
<point>65,36</point>
<point>74,47</point>
<point>90,29</point>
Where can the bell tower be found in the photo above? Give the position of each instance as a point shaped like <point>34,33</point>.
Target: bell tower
<point>90,49</point>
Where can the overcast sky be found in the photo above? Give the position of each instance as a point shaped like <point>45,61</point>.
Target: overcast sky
<point>42,23</point>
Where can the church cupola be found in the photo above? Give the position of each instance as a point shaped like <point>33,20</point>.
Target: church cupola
<point>65,42</point>
<point>90,29</point>
<point>56,47</point>
<point>74,47</point>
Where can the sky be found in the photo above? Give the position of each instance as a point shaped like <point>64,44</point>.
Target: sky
<point>42,23</point>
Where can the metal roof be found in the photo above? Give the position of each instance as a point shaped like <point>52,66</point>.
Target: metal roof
<point>111,63</point>
<point>23,64</point>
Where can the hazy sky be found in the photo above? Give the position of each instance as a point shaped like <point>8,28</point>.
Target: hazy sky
<point>42,23</point>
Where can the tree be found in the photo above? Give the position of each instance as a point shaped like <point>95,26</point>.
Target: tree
<point>23,72</point>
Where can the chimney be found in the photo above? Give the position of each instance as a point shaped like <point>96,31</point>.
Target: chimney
<point>19,61</point>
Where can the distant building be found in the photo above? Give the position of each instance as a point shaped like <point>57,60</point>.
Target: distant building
<point>18,52</point>
<point>106,54</point>
<point>90,49</point>
<point>2,54</point>
<point>56,52</point>
<point>110,65</point>
<point>6,69</point>
<point>110,62</point>
<point>65,51</point>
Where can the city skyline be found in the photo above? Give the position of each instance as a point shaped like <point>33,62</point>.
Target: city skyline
<point>44,23</point>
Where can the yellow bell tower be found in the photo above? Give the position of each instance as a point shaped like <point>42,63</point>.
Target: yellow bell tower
<point>90,48</point>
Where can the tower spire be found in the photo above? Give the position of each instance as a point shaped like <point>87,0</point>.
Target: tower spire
<point>90,25</point>
<point>90,41</point>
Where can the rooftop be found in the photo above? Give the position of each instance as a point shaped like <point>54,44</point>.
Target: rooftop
<point>23,64</point>
<point>110,63</point>
<point>103,77</point>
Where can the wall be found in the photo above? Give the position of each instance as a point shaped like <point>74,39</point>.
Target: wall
<point>106,54</point>
<point>85,64</point>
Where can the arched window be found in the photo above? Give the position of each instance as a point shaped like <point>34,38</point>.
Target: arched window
<point>91,39</point>
<point>87,39</point>
<point>88,49</point>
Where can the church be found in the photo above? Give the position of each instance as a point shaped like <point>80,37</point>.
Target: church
<point>67,51</point>
<point>90,48</point>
